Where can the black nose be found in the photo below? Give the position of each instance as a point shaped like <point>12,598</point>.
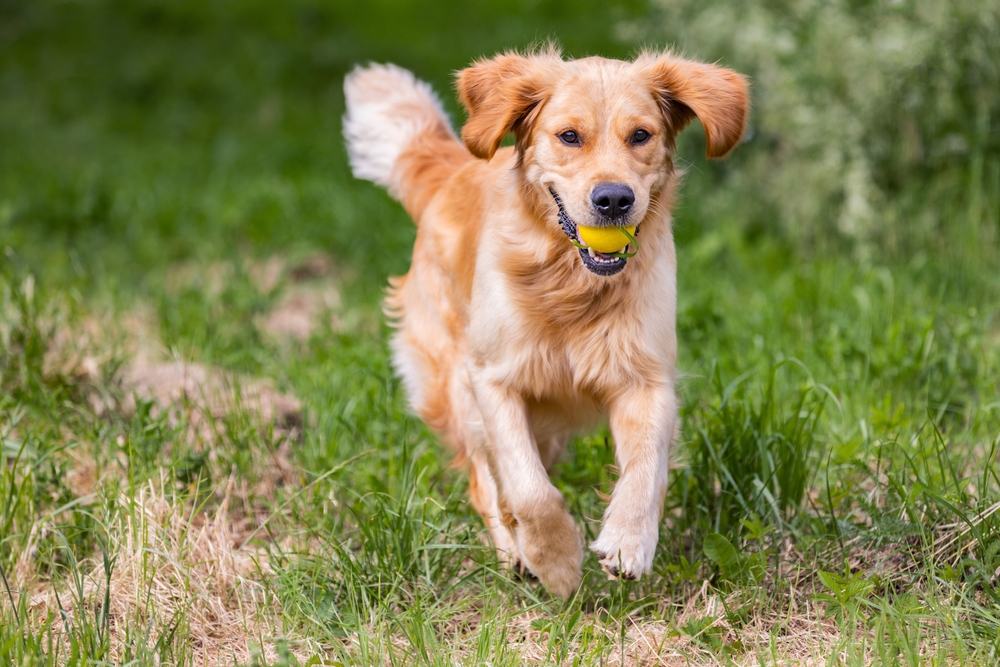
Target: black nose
<point>613,200</point>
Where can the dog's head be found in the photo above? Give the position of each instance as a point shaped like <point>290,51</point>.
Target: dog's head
<point>596,136</point>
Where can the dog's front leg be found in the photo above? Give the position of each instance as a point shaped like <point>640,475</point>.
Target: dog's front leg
<point>643,423</point>
<point>530,507</point>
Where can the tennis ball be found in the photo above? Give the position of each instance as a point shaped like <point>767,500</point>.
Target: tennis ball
<point>605,239</point>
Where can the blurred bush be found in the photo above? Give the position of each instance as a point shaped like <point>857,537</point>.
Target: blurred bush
<point>875,123</point>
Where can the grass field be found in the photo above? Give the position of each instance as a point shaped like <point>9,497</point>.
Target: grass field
<point>207,460</point>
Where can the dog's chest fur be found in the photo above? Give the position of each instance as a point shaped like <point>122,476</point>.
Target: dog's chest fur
<point>567,337</point>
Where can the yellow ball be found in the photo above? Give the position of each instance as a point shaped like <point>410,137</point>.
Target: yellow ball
<point>605,239</point>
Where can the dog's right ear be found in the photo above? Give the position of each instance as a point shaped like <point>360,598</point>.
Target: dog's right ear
<point>500,95</point>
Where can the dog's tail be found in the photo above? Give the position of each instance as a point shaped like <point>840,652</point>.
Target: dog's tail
<point>398,135</point>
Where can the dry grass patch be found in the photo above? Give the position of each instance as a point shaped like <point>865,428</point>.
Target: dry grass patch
<point>173,569</point>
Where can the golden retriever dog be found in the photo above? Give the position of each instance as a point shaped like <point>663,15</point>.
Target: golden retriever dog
<point>512,333</point>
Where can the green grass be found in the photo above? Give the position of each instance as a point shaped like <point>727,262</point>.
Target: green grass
<point>834,497</point>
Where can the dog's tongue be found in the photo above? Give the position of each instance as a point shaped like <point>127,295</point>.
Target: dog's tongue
<point>593,253</point>
<point>599,255</point>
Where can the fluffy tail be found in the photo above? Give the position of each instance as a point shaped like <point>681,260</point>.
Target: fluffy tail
<point>398,135</point>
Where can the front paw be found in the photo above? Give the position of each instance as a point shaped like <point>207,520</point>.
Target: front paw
<point>550,550</point>
<point>624,555</point>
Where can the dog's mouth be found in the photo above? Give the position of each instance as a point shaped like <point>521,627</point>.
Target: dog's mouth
<point>603,264</point>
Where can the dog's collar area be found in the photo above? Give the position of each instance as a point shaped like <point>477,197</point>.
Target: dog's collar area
<point>598,263</point>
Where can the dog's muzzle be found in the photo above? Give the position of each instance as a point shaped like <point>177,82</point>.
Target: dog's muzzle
<point>596,262</point>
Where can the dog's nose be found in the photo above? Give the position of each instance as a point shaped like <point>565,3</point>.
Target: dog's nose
<point>612,200</point>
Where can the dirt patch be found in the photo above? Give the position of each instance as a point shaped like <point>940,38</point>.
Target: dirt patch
<point>306,289</point>
<point>309,295</point>
<point>266,274</point>
<point>194,392</point>
<point>200,394</point>
<point>79,352</point>
<point>300,312</point>
<point>312,268</point>
<point>211,279</point>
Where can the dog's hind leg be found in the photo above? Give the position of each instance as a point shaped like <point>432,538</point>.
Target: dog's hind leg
<point>469,437</point>
<point>550,449</point>
<point>485,498</point>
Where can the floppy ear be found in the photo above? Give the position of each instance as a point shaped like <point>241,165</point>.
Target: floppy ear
<point>685,89</point>
<point>500,95</point>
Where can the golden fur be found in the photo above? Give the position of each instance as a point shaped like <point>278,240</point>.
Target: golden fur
<point>506,343</point>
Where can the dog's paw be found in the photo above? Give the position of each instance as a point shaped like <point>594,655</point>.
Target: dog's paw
<point>560,577</point>
<point>551,552</point>
<point>626,557</point>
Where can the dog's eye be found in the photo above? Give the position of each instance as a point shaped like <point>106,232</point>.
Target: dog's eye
<point>640,137</point>
<point>570,138</point>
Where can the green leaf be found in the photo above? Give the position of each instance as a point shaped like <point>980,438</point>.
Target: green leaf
<point>723,553</point>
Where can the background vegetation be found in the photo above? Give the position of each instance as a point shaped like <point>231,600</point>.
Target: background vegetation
<point>173,188</point>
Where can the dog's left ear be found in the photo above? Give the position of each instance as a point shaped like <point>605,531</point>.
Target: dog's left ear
<point>500,95</point>
<point>685,89</point>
